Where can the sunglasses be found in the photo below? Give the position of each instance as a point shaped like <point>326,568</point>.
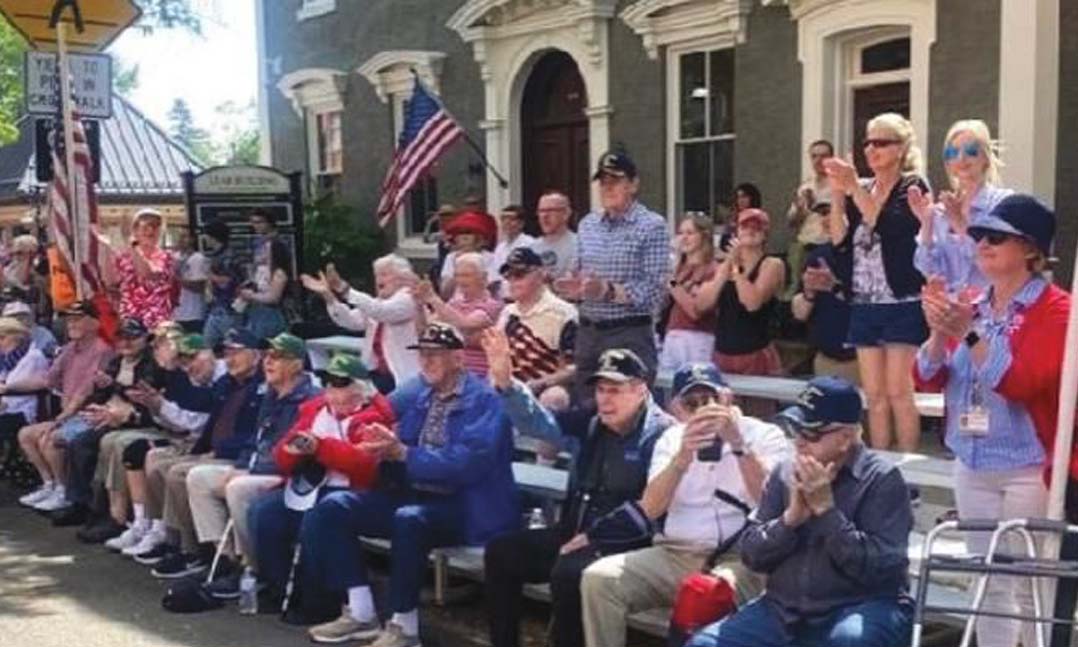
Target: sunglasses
<point>337,381</point>
<point>881,143</point>
<point>993,238</point>
<point>971,150</point>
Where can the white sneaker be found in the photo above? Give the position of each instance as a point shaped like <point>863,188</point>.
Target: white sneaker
<point>128,538</point>
<point>148,541</point>
<point>56,500</point>
<point>37,496</point>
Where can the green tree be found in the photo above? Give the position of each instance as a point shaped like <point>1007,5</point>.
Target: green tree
<point>183,129</point>
<point>124,79</point>
<point>238,140</point>
<point>12,47</point>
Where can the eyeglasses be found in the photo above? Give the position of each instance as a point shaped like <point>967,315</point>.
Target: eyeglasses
<point>692,402</point>
<point>337,381</point>
<point>812,435</point>
<point>971,150</point>
<point>881,143</point>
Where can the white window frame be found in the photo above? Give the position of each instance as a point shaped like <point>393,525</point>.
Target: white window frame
<point>316,134</point>
<point>673,112</point>
<point>848,68</point>
<point>314,8</point>
<point>411,245</point>
<point>313,91</point>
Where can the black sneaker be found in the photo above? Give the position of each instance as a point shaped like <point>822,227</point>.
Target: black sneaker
<point>72,515</point>
<point>100,532</point>
<point>154,556</point>
<point>225,587</point>
<point>179,565</point>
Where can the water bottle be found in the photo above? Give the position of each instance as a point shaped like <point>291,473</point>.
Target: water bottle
<point>536,520</point>
<point>248,593</point>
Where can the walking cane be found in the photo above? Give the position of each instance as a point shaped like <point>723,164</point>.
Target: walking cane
<point>220,550</point>
<point>291,584</point>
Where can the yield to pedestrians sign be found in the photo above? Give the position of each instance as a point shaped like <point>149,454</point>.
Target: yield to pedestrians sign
<point>91,84</point>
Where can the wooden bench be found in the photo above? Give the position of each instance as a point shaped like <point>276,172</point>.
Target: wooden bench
<point>787,389</point>
<point>922,470</point>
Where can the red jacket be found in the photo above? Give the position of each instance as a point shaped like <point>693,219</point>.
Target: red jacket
<point>1034,377</point>
<point>334,453</point>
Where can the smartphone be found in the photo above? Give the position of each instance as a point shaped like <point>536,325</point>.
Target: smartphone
<point>300,443</point>
<point>712,454</point>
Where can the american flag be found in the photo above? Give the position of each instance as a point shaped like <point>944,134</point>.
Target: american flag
<point>75,193</point>
<point>428,131</point>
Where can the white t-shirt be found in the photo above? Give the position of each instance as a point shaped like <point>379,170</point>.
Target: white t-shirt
<point>559,256</point>
<point>192,305</point>
<point>696,518</point>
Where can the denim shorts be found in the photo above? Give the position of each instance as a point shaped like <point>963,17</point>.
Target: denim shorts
<point>876,324</point>
<point>72,428</point>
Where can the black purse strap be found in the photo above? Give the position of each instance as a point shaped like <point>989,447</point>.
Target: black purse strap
<point>730,541</point>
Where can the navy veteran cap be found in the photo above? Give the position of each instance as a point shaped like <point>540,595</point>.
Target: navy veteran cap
<point>619,365</point>
<point>81,309</point>
<point>521,258</point>
<point>131,328</point>
<point>241,338</point>
<point>616,164</point>
<point>1019,215</point>
<point>697,374</point>
<point>825,401</point>
<point>438,336</point>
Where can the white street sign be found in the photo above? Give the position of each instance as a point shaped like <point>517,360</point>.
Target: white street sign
<point>91,84</point>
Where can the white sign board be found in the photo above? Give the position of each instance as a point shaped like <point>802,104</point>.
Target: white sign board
<point>91,84</point>
<point>242,179</point>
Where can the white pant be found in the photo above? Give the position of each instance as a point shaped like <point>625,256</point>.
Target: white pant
<point>681,347</point>
<point>1006,494</point>
<point>211,510</point>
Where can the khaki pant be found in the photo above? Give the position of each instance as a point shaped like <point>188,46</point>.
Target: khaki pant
<point>111,472</point>
<point>211,510</point>
<point>616,586</point>
<point>824,365</point>
<point>166,490</point>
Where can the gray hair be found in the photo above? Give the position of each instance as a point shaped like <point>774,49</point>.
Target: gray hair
<point>474,259</point>
<point>25,242</point>
<point>395,263</point>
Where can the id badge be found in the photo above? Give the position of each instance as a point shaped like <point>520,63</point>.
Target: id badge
<point>974,421</point>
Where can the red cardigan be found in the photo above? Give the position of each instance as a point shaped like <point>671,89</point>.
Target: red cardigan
<point>334,453</point>
<point>1036,370</point>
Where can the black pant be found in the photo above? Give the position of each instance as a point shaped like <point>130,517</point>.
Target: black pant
<point>531,556</point>
<point>1067,590</point>
<point>10,454</point>
<point>81,461</point>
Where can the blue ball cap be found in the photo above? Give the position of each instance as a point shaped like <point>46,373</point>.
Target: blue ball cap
<point>825,401</point>
<point>690,376</point>
<point>1019,215</point>
<point>241,338</point>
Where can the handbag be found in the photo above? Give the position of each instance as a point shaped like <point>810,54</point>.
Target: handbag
<point>702,597</point>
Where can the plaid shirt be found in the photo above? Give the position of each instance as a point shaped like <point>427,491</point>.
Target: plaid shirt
<point>632,250</point>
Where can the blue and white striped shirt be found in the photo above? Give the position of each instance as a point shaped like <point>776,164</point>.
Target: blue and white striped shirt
<point>631,250</point>
<point>951,255</point>
<point>1011,441</point>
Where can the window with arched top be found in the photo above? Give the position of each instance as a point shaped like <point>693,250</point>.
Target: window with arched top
<point>876,66</point>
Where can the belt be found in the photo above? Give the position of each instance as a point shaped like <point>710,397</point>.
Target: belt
<point>621,322</point>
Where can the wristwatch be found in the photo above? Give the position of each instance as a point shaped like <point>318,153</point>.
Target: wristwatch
<point>739,452</point>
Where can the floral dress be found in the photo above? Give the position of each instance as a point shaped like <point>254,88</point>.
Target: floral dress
<point>149,300</point>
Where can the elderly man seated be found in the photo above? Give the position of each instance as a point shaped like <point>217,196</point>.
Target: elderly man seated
<point>714,448</point>
<point>446,479</point>
<point>831,533</point>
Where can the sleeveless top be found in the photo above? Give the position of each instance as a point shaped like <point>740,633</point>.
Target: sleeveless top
<point>739,331</point>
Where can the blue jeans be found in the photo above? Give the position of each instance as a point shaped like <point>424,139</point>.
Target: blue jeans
<point>875,623</point>
<point>413,522</point>
<point>218,321</point>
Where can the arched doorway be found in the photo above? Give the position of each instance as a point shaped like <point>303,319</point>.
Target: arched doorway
<point>554,132</point>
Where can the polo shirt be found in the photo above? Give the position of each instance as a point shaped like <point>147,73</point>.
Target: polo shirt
<point>541,336</point>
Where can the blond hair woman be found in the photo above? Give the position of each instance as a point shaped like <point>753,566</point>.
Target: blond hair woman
<point>944,249</point>
<point>872,219</point>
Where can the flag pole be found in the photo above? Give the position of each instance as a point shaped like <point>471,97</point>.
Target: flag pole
<point>1068,394</point>
<point>69,154</point>
<point>467,138</point>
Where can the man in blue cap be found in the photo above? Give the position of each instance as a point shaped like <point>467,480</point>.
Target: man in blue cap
<point>831,534</point>
<point>714,448</point>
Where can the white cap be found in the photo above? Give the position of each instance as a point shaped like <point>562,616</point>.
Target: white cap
<point>16,308</point>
